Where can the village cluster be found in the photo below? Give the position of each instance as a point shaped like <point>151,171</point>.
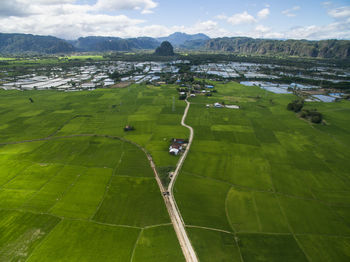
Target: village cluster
<point>97,74</point>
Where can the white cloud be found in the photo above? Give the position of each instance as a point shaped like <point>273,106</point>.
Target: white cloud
<point>336,30</point>
<point>68,19</point>
<point>291,12</point>
<point>326,4</point>
<point>262,29</point>
<point>264,13</point>
<point>46,2</point>
<point>115,5</point>
<point>242,18</point>
<point>222,17</point>
<point>340,13</point>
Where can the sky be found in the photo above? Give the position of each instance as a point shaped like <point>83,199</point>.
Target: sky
<point>71,19</point>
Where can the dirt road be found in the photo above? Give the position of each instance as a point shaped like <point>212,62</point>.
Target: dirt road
<point>173,209</point>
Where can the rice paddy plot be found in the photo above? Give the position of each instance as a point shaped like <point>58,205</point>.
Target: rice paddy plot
<point>250,211</point>
<point>212,246</point>
<point>325,248</point>
<point>22,232</point>
<point>132,201</point>
<point>204,203</point>
<point>272,248</point>
<point>86,241</point>
<point>158,243</point>
<point>85,195</point>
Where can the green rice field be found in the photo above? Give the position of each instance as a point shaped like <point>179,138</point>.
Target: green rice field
<point>273,186</point>
<point>259,183</point>
<point>71,189</point>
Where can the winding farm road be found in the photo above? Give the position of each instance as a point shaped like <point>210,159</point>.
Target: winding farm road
<point>173,209</point>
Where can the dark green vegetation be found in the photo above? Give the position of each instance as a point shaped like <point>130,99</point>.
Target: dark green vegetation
<point>22,43</point>
<point>165,49</point>
<point>299,48</point>
<point>296,105</point>
<point>262,184</point>
<point>103,44</point>
<point>310,114</point>
<point>80,195</point>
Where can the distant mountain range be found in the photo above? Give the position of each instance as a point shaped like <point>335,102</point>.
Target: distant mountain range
<point>178,39</point>
<point>22,43</point>
<point>25,43</point>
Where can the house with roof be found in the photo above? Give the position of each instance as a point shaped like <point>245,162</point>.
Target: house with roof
<point>175,149</point>
<point>177,146</point>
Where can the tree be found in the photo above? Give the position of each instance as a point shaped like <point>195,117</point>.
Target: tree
<point>296,106</point>
<point>165,49</point>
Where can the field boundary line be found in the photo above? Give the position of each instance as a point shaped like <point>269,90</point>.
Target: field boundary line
<point>212,229</point>
<point>159,225</point>
<point>67,122</point>
<point>288,223</point>
<point>108,186</point>
<point>69,187</point>
<point>8,181</point>
<point>135,245</point>
<point>257,212</point>
<point>241,187</point>
<point>226,210</point>
<point>42,187</point>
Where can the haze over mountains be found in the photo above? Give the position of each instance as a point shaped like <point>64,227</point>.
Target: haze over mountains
<point>24,43</point>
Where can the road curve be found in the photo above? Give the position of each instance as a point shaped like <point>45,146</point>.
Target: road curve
<point>173,209</point>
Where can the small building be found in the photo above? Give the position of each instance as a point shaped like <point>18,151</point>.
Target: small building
<point>177,146</point>
<point>175,149</point>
